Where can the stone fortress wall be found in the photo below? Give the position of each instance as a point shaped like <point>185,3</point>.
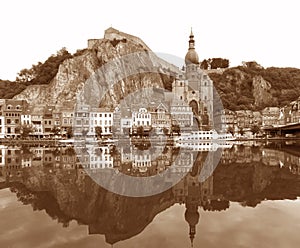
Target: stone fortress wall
<point>114,34</point>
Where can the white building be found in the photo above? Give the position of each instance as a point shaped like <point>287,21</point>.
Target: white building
<point>181,114</point>
<point>2,127</point>
<point>26,119</point>
<point>100,157</point>
<point>37,123</point>
<point>160,117</point>
<point>101,118</point>
<point>141,118</point>
<point>2,155</point>
<point>141,162</point>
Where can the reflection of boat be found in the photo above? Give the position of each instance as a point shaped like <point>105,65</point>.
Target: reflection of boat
<point>106,141</point>
<point>66,142</point>
<point>204,145</point>
<point>226,136</point>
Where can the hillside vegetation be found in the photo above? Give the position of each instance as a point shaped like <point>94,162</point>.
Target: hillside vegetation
<point>41,73</point>
<point>235,86</point>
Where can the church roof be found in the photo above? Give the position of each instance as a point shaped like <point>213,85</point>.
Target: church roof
<point>191,57</point>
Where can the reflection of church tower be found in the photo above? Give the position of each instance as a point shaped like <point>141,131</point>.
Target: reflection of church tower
<point>192,202</point>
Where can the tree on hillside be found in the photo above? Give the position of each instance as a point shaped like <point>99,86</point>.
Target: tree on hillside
<point>219,63</point>
<point>214,63</point>
<point>204,64</point>
<point>43,73</point>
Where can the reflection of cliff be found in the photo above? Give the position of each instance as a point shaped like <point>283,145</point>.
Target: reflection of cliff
<point>67,195</point>
<point>254,182</point>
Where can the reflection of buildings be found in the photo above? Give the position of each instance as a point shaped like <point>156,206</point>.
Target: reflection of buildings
<point>57,177</point>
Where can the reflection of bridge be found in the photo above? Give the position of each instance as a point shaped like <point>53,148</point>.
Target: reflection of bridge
<point>293,128</point>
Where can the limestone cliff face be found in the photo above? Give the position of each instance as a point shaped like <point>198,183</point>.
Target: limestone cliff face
<point>107,62</point>
<point>261,91</point>
<point>69,80</point>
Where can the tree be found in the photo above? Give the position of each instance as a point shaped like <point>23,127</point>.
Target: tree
<point>140,131</point>
<point>219,63</point>
<point>24,130</point>
<point>175,128</point>
<point>166,131</point>
<point>255,129</point>
<point>69,132</point>
<point>241,131</point>
<point>98,130</point>
<point>43,73</point>
<point>55,131</point>
<point>84,132</point>
<point>230,129</point>
<point>204,64</point>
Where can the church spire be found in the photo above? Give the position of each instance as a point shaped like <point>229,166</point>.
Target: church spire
<point>191,41</point>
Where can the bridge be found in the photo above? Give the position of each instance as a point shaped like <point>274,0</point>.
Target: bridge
<point>283,130</point>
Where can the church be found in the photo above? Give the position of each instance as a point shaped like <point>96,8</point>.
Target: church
<point>194,87</point>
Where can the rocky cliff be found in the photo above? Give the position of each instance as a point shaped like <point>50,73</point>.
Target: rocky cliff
<point>261,92</point>
<point>256,87</point>
<point>110,64</point>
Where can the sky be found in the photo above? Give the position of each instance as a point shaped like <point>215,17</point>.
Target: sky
<point>239,30</point>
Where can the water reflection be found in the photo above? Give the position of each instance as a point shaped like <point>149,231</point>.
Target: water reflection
<point>56,180</point>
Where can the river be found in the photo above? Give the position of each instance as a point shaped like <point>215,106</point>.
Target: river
<point>245,196</point>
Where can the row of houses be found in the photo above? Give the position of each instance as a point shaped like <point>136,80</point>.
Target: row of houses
<point>65,120</point>
<point>269,116</point>
<point>46,120</point>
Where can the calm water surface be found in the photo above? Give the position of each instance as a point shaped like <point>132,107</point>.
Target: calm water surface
<point>47,199</point>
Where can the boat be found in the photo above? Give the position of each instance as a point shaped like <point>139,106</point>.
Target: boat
<point>226,136</point>
<point>210,135</point>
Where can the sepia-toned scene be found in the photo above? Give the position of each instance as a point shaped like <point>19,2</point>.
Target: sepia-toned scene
<point>123,125</point>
